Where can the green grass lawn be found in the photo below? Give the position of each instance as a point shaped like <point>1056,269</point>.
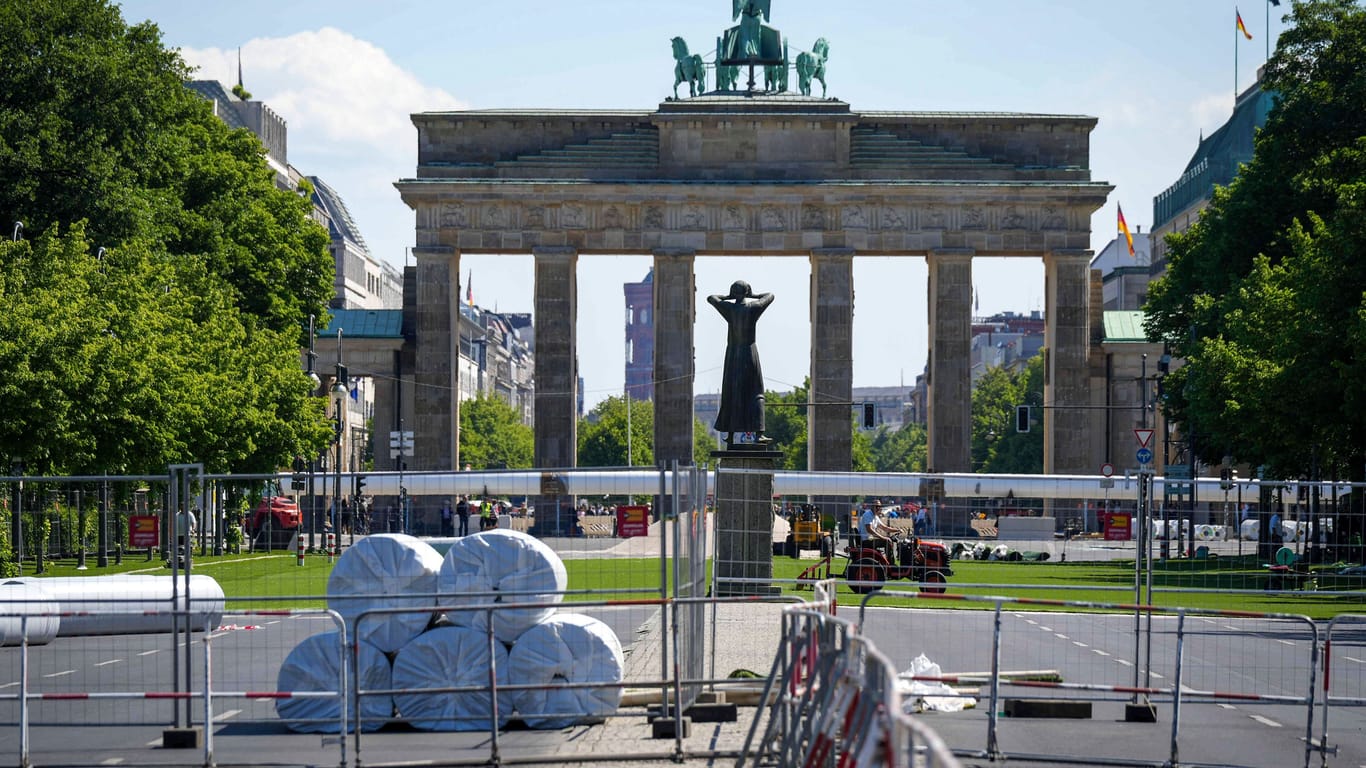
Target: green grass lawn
<point>273,580</point>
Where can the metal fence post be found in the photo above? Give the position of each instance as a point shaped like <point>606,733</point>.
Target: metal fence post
<point>1176,687</point>
<point>23,692</point>
<point>993,748</point>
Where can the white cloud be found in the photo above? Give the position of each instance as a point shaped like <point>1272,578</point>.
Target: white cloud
<point>1212,111</point>
<point>347,107</point>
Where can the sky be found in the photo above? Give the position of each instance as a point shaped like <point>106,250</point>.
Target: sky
<point>346,75</point>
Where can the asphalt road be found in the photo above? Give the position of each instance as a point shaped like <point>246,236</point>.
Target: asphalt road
<point>1235,656</point>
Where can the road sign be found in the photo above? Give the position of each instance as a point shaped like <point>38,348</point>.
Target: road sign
<point>1107,469</point>
<point>1144,437</point>
<point>143,531</point>
<point>1143,455</point>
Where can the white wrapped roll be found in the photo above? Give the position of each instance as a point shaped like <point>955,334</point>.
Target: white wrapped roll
<point>566,648</point>
<point>127,604</point>
<point>501,561</point>
<point>313,666</point>
<point>21,606</point>
<point>385,570</point>
<point>450,657</point>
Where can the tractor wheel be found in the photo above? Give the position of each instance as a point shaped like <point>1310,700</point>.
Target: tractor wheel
<point>936,578</point>
<point>865,569</point>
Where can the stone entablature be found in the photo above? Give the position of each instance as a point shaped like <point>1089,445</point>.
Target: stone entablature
<point>783,138</point>
<point>769,219</point>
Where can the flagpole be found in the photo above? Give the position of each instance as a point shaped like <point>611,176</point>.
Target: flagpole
<point>1268,30</point>
<point>1236,32</point>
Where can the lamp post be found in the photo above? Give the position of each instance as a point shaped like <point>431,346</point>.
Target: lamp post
<point>339,393</point>
<point>312,358</point>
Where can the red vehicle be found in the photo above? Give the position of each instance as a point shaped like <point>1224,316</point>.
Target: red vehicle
<point>274,513</point>
<point>924,562</point>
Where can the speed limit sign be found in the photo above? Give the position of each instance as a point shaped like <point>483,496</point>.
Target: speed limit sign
<point>1107,469</point>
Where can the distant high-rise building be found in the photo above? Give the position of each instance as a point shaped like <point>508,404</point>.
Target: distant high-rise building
<point>640,338</point>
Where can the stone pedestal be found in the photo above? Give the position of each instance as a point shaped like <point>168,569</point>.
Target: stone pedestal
<point>744,521</point>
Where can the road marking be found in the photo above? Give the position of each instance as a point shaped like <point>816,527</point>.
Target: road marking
<point>1125,662</point>
<point>1061,636</point>
<point>154,743</point>
<point>1157,675</point>
<point>1080,644</point>
<point>149,653</point>
<point>1349,658</point>
<point>111,761</point>
<point>229,713</point>
<point>1046,629</point>
<point>1230,627</point>
<point>1031,621</point>
<point>1285,642</point>
<point>1265,721</point>
<point>1227,706</point>
<point>268,623</point>
<point>107,663</point>
<point>9,685</point>
<point>1099,651</point>
<point>59,674</point>
<point>1187,689</point>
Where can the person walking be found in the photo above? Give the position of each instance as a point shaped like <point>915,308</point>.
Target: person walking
<point>462,511</point>
<point>447,523</point>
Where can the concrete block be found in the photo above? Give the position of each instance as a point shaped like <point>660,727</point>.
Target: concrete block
<point>183,738</point>
<point>713,713</point>
<point>1048,708</point>
<point>666,728</point>
<point>1140,713</point>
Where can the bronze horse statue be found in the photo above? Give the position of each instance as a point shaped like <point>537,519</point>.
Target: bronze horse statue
<point>811,65</point>
<point>688,68</point>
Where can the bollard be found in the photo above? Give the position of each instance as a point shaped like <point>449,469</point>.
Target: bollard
<point>331,546</point>
<point>298,549</point>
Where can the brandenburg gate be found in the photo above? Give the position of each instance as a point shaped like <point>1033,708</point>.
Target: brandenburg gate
<point>753,174</point>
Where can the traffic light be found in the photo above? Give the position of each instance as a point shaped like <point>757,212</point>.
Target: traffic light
<point>1021,418</point>
<point>869,415</point>
<point>360,485</point>
<point>296,480</point>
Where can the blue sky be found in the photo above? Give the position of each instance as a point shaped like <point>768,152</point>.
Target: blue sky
<point>346,74</point>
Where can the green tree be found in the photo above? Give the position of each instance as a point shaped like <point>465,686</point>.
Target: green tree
<point>181,342</point>
<point>1263,297</point>
<point>492,435</point>
<point>902,450</point>
<point>785,421</point>
<point>996,447</point>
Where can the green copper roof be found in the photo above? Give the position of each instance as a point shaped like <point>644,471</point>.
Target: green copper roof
<point>365,324</point>
<point>1124,326</point>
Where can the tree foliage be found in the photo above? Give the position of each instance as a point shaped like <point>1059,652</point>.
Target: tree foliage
<point>492,435</point>
<point>154,315</point>
<point>602,436</point>
<point>996,447</point>
<point>1263,297</point>
<point>902,450</point>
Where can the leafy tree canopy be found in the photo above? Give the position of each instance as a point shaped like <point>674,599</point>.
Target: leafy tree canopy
<point>1263,297</point>
<point>181,342</point>
<point>602,435</point>
<point>492,435</point>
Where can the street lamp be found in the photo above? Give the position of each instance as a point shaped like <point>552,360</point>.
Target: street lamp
<point>339,393</point>
<point>312,358</point>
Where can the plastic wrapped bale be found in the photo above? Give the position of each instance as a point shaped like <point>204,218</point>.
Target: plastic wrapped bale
<point>315,666</point>
<point>22,608</point>
<point>566,648</point>
<point>498,561</point>
<point>127,604</point>
<point>385,570</point>
<point>450,657</point>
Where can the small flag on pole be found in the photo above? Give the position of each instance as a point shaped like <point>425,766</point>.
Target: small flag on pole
<point>1124,230</point>
<point>469,288</point>
<point>1241,26</point>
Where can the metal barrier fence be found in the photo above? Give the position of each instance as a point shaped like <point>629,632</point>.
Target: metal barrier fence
<point>1195,657</point>
<point>837,702</point>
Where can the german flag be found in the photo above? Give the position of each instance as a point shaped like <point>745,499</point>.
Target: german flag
<point>1241,26</point>
<point>1124,230</point>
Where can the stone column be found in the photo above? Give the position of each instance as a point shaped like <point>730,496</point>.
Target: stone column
<point>436,408</point>
<point>1067,335</point>
<point>557,374</point>
<point>675,301</point>
<point>950,370</point>
<point>829,441</point>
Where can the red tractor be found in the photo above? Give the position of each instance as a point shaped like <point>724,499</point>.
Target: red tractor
<point>925,562</point>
